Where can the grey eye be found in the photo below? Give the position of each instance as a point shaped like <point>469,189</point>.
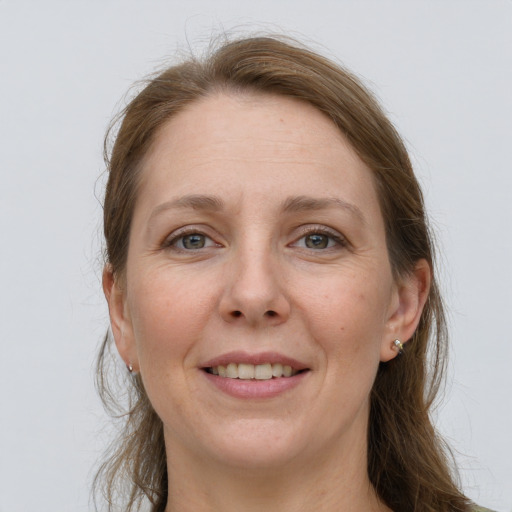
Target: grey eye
<point>193,241</point>
<point>316,241</point>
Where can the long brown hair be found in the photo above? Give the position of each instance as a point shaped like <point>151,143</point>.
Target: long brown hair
<point>407,462</point>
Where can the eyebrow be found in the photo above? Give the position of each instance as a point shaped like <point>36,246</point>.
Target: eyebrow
<point>307,203</point>
<point>294,204</point>
<point>191,201</point>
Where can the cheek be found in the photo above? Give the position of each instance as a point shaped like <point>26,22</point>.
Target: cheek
<point>168,318</point>
<point>349,305</point>
<point>348,321</point>
<point>168,315</point>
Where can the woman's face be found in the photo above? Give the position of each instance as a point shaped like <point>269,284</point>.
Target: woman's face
<point>257,244</point>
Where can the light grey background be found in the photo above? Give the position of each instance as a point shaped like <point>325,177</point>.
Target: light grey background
<point>442,70</point>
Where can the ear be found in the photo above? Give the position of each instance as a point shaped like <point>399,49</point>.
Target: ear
<point>119,318</point>
<point>407,304</point>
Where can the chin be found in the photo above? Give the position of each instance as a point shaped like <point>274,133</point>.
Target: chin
<point>256,444</point>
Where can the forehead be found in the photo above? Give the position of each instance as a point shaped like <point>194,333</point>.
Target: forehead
<point>272,143</point>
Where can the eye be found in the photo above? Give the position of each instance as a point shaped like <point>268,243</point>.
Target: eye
<point>319,239</point>
<point>192,241</point>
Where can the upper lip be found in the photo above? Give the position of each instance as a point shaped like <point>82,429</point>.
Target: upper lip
<point>241,357</point>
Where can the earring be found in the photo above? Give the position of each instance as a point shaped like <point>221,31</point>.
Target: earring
<point>399,345</point>
<point>129,367</point>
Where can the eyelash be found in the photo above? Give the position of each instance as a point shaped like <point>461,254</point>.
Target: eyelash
<point>339,240</point>
<point>171,243</point>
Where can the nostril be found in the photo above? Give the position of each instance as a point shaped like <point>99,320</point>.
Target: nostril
<point>271,313</point>
<point>237,314</point>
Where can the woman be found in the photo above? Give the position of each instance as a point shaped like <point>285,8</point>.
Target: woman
<point>270,281</point>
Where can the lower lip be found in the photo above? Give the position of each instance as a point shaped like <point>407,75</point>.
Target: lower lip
<point>253,389</point>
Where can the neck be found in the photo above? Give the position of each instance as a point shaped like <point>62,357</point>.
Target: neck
<point>323,484</point>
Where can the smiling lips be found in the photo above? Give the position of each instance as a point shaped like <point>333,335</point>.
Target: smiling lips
<point>262,375</point>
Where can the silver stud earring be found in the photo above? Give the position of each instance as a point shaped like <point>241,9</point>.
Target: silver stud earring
<point>399,345</point>
<point>129,368</point>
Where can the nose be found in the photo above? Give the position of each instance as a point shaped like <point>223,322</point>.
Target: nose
<point>255,290</point>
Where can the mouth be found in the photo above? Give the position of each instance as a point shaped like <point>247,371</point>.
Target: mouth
<point>260,376</point>
<point>246,371</point>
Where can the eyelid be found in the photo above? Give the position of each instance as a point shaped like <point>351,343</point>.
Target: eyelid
<point>302,231</point>
<point>171,239</point>
<point>311,229</point>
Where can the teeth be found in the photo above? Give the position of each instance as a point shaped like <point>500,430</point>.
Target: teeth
<point>277,370</point>
<point>263,371</point>
<point>250,371</point>
<point>246,371</point>
<point>232,371</point>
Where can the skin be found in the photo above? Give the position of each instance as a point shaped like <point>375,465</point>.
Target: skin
<point>259,285</point>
